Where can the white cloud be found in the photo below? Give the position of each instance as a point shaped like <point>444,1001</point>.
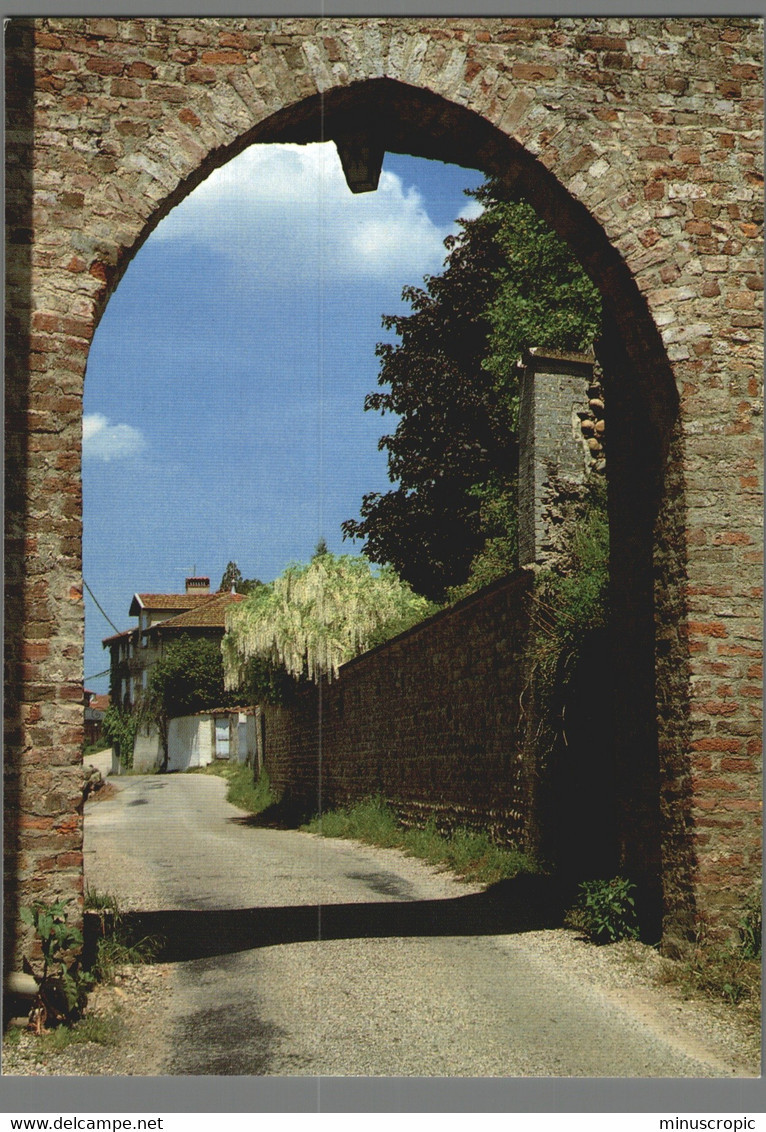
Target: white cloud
<point>104,441</point>
<point>287,209</point>
<point>471,210</point>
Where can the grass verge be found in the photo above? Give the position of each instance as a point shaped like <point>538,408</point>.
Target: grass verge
<point>469,854</point>
<point>243,791</point>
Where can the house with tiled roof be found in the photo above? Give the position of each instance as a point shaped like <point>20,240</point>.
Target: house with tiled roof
<point>206,618</point>
<point>162,618</point>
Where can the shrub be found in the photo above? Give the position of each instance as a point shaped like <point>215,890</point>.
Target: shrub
<point>605,910</point>
<point>119,728</point>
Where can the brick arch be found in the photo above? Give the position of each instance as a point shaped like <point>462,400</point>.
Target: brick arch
<point>120,119</point>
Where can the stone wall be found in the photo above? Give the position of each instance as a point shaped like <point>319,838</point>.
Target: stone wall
<point>432,721</point>
<point>639,139</point>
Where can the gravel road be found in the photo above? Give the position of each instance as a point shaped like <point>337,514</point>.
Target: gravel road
<point>290,954</point>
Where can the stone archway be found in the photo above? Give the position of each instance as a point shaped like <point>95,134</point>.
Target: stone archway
<point>637,139</point>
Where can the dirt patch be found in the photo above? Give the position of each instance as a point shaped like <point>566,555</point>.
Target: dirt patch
<point>103,794</point>
<point>133,1013</point>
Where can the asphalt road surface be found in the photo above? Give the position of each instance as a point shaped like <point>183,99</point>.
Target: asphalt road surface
<point>291,954</point>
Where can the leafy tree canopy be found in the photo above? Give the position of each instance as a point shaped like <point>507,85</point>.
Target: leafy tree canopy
<point>510,283</point>
<point>188,678</point>
<point>315,617</point>
<point>544,298</point>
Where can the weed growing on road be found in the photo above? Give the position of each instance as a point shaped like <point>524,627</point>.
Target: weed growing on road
<point>472,855</point>
<point>96,901</point>
<point>243,792</point>
<point>114,949</point>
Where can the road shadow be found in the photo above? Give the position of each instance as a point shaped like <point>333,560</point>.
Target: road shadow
<point>524,903</point>
<point>284,814</point>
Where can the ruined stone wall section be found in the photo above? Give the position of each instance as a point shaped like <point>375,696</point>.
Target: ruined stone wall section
<point>653,126</point>
<point>555,457</point>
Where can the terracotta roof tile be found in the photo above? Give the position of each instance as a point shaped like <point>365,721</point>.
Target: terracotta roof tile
<point>118,636</point>
<point>166,601</point>
<point>208,615</point>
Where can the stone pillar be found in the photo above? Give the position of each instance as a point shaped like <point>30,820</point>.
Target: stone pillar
<point>554,454</point>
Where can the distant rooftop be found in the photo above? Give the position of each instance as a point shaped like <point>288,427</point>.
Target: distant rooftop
<point>166,601</point>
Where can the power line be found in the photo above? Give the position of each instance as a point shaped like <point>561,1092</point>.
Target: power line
<point>95,675</point>
<point>98,606</point>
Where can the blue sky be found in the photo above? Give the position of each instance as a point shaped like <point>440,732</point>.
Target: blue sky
<point>225,385</point>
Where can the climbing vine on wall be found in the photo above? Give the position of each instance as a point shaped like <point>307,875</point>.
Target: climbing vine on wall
<point>569,612</point>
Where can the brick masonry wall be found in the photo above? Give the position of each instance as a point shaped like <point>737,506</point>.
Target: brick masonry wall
<point>639,139</point>
<point>432,721</point>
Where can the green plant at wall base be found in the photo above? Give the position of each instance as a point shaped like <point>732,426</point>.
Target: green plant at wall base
<point>247,793</point>
<point>62,984</point>
<point>605,910</point>
<point>720,972</point>
<point>751,927</point>
<point>468,853</point>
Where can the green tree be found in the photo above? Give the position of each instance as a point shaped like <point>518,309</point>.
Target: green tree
<point>544,297</point>
<point>453,429</point>
<point>315,617</point>
<point>510,283</point>
<point>232,577</point>
<point>187,678</point>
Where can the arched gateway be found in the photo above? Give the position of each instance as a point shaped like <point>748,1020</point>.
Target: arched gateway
<point>638,139</point>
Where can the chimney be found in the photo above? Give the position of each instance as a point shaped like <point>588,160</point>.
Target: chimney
<point>198,585</point>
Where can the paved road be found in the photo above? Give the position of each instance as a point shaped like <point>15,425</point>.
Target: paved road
<point>296,955</point>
